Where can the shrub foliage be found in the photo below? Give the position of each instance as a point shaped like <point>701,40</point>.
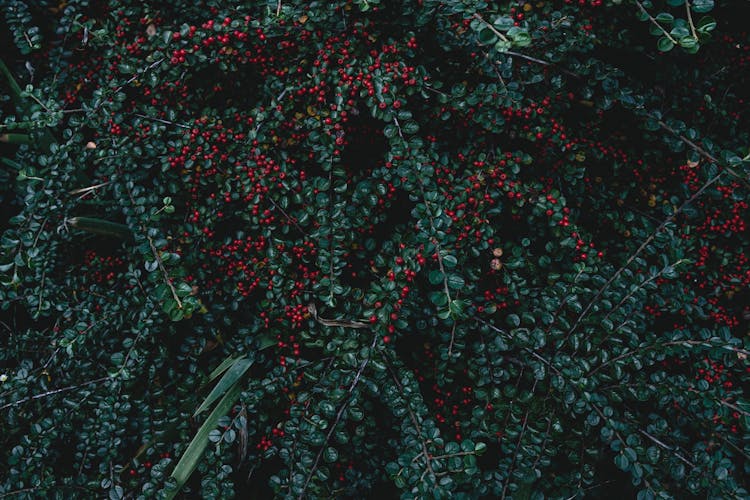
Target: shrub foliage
<point>374,247</point>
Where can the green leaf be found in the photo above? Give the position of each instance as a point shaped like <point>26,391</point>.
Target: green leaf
<point>664,44</point>
<point>189,460</point>
<point>513,320</point>
<point>330,455</point>
<point>410,127</point>
<point>455,281</point>
<point>227,382</point>
<point>435,277</point>
<point>622,462</point>
<point>702,6</point>
<point>457,308</point>
<point>688,42</point>
<point>439,298</point>
<point>486,36</point>
<point>265,341</point>
<point>450,261</point>
<point>721,473</point>
<point>706,25</point>
<point>504,23</point>
<point>664,18</point>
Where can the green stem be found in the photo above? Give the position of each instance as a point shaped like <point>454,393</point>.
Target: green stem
<point>16,139</point>
<point>47,139</point>
<point>15,89</point>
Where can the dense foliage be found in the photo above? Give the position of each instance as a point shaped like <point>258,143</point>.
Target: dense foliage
<point>374,247</point>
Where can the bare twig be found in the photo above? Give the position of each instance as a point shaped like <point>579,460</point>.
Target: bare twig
<point>453,338</point>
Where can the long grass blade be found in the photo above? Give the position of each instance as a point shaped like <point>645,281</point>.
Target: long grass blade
<point>189,460</point>
<point>15,89</point>
<point>99,226</point>
<point>16,139</point>
<point>223,366</point>
<point>47,139</point>
<point>230,378</point>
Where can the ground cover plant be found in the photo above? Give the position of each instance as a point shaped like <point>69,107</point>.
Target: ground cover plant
<point>380,248</point>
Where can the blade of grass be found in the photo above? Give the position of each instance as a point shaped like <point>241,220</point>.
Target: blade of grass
<point>10,163</point>
<point>230,378</point>
<point>189,460</point>
<point>99,226</point>
<point>172,429</point>
<point>15,89</point>
<point>47,139</point>
<point>223,366</point>
<point>16,139</point>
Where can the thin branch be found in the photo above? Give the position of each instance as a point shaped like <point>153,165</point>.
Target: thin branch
<point>157,257</point>
<point>55,391</point>
<point>619,436</point>
<point>288,217</point>
<point>518,444</point>
<point>398,127</point>
<point>736,408</point>
<point>453,338</point>
<point>640,249</point>
<point>161,120</point>
<point>633,292</point>
<point>164,272</point>
<point>669,448</point>
<point>492,28</point>
<point>656,23</point>
<point>414,421</point>
<point>666,344</point>
<point>339,414</point>
<point>435,241</point>
<point>690,20</point>
<point>36,99</point>
<point>451,455</point>
<point>540,61</point>
<point>702,151</point>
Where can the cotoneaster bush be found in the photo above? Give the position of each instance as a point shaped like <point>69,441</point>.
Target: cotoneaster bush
<point>330,249</point>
